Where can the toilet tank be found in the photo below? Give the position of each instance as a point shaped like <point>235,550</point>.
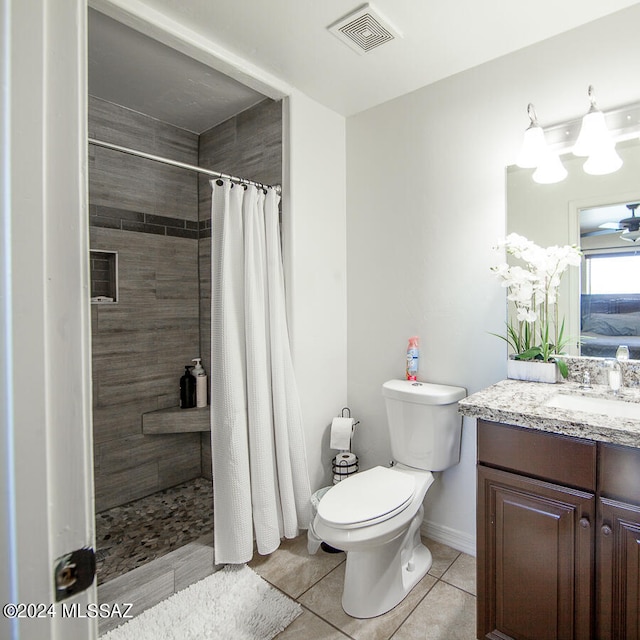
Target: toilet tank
<point>424,424</point>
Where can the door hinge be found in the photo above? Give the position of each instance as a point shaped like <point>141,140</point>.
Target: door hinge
<point>74,572</point>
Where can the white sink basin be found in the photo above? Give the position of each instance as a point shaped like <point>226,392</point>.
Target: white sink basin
<point>605,406</point>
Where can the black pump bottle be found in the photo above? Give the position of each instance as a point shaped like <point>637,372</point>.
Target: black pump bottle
<point>187,389</point>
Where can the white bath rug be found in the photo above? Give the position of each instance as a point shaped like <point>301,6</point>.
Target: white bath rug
<point>233,603</point>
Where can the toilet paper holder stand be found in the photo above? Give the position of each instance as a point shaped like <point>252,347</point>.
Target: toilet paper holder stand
<point>342,469</point>
<point>348,415</point>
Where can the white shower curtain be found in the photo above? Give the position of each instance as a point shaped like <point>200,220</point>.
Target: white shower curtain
<point>260,477</point>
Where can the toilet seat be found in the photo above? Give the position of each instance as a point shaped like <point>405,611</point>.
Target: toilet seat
<point>367,498</point>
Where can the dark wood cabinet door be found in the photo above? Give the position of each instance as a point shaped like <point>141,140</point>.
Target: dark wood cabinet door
<point>618,578</point>
<point>535,559</point>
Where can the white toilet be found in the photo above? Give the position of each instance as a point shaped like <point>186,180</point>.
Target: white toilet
<point>375,515</point>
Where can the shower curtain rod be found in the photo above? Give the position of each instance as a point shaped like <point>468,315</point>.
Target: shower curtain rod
<point>182,165</point>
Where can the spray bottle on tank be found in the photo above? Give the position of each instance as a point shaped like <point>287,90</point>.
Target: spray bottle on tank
<point>413,354</point>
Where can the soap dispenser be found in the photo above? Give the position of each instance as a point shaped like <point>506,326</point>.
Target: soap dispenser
<point>615,376</point>
<point>201,383</point>
<point>187,389</point>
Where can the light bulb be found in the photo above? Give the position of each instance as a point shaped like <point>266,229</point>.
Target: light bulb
<point>533,147</point>
<point>593,136</point>
<point>550,169</point>
<point>602,162</point>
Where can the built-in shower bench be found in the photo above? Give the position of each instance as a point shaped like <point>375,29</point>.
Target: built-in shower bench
<point>175,420</point>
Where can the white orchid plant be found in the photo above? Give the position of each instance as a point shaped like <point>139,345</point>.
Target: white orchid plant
<point>536,333</point>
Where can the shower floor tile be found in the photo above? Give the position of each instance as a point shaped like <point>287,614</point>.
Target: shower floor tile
<point>136,533</point>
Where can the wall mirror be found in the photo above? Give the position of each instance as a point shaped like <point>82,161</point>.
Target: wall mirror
<point>600,301</point>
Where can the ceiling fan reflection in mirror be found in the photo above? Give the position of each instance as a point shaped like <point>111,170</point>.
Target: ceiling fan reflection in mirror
<point>629,226</point>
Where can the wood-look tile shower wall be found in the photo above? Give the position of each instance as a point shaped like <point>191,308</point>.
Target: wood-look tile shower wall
<point>158,220</point>
<point>148,213</point>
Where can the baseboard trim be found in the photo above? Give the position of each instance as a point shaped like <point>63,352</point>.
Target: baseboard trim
<point>451,537</point>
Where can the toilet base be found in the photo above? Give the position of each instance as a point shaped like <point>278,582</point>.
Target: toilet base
<point>378,579</point>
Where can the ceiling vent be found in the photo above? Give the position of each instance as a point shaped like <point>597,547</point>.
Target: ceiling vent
<point>364,30</point>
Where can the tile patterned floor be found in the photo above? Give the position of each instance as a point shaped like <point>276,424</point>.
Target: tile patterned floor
<point>134,534</point>
<point>440,607</point>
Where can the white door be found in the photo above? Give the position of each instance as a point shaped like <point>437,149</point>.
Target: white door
<point>46,496</point>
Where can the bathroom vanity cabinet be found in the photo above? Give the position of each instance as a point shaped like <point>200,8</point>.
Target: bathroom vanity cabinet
<point>558,536</point>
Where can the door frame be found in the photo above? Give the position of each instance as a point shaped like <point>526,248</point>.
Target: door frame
<point>45,391</point>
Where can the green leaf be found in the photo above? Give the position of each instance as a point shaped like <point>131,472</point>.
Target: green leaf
<point>564,369</point>
<point>529,354</point>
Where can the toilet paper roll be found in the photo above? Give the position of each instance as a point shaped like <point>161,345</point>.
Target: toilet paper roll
<point>341,432</point>
<point>346,458</point>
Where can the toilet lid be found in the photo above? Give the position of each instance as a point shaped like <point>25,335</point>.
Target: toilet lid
<point>367,497</point>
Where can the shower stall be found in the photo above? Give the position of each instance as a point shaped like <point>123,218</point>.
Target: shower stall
<point>150,241</point>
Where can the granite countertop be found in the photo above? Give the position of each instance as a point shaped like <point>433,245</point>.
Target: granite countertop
<point>522,404</point>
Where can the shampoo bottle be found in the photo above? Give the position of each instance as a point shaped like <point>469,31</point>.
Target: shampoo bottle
<point>201,383</point>
<point>187,389</point>
<point>412,358</point>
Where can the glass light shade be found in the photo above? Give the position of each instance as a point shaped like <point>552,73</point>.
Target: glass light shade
<point>602,162</point>
<point>593,135</point>
<point>550,169</point>
<point>533,147</point>
<point>630,236</point>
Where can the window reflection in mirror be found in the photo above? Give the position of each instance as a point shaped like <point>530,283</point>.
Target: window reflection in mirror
<point>610,283</point>
<point>559,214</point>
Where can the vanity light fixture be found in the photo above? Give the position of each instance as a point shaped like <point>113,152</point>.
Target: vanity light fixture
<point>588,137</point>
<point>595,142</point>
<point>535,153</point>
<point>533,142</point>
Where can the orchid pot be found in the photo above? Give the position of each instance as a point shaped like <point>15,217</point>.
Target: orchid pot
<point>533,370</point>
<point>535,334</point>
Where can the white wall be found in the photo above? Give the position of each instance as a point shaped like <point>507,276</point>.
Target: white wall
<point>426,204</point>
<point>314,231</point>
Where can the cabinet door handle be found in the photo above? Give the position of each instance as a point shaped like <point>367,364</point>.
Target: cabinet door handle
<point>584,523</point>
<point>606,530</point>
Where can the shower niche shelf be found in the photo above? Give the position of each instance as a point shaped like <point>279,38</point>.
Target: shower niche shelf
<point>175,420</point>
<point>104,277</point>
